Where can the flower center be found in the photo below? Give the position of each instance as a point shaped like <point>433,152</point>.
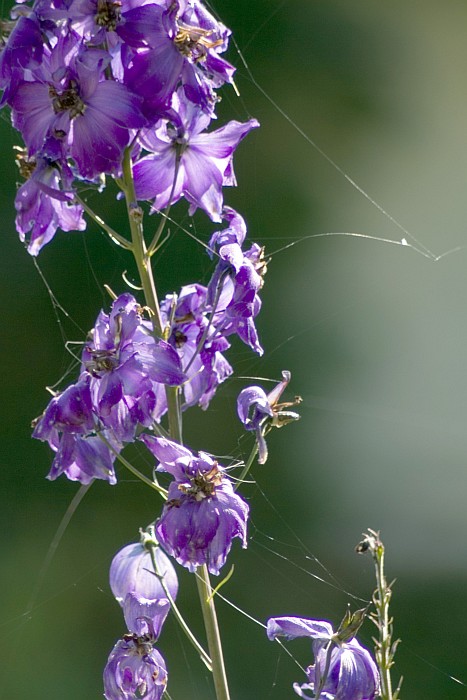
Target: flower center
<point>67,101</point>
<point>193,42</point>
<point>108,14</point>
<point>203,484</point>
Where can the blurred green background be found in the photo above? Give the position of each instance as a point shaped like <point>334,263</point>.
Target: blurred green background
<point>374,334</point>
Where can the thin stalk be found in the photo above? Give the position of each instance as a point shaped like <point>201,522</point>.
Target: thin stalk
<point>143,262</point>
<point>212,632</point>
<point>133,470</point>
<point>114,235</point>
<point>247,467</point>
<point>385,648</point>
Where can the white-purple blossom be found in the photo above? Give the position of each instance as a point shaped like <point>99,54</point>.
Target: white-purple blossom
<point>343,670</point>
<point>202,514</point>
<point>135,669</point>
<point>140,589</point>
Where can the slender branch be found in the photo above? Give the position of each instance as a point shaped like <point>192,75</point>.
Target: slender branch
<point>385,648</point>
<point>114,235</point>
<point>132,469</point>
<point>248,465</point>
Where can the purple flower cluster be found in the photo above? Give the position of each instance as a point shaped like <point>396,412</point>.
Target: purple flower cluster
<point>85,78</point>
<point>343,670</point>
<point>123,369</point>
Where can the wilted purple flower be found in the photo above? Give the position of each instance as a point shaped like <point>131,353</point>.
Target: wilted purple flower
<point>135,670</point>
<point>260,412</point>
<point>186,161</point>
<point>351,672</point>
<point>139,588</point>
<point>237,279</point>
<point>202,514</point>
<point>41,205</point>
<point>68,425</point>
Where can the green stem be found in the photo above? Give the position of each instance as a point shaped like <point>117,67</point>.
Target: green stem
<point>385,648</point>
<point>143,262</point>
<point>247,467</point>
<point>212,632</point>
<point>114,235</point>
<point>382,598</point>
<point>133,469</point>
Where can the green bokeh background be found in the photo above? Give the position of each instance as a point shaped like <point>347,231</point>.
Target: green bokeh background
<point>375,335</point>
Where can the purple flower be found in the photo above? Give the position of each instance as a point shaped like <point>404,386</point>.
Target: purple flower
<point>68,425</point>
<point>68,98</point>
<point>202,514</point>
<point>41,206</point>
<point>135,670</point>
<point>171,43</point>
<point>126,366</point>
<point>260,412</point>
<point>200,353</point>
<point>351,672</point>
<point>138,587</point>
<point>186,161</point>
<point>237,279</point>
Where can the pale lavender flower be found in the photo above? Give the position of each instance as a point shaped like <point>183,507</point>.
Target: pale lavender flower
<point>135,669</point>
<point>351,674</point>
<point>260,412</point>
<point>185,161</point>
<point>202,514</point>
<point>139,589</point>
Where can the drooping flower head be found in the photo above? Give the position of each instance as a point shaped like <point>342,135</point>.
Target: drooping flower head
<point>140,589</point>
<point>202,514</point>
<point>233,292</point>
<point>260,412</point>
<point>135,669</point>
<point>351,674</point>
